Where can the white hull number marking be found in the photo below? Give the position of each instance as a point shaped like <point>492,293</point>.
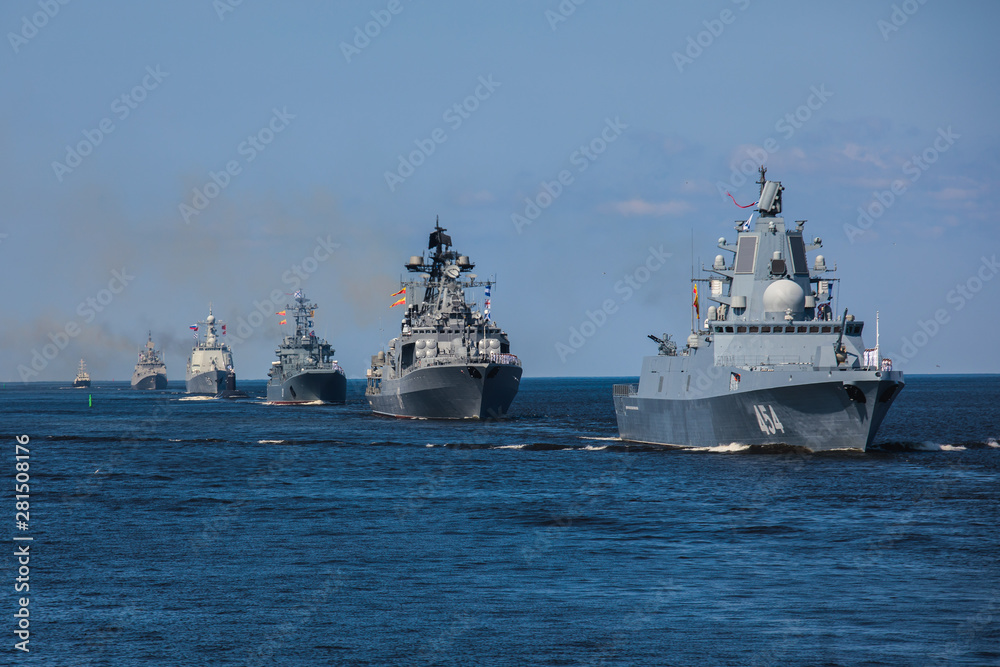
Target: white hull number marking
<point>768,421</point>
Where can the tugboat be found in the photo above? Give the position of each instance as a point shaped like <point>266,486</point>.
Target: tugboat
<point>305,371</point>
<point>150,371</point>
<point>769,364</point>
<point>210,361</point>
<point>82,377</point>
<point>448,361</point>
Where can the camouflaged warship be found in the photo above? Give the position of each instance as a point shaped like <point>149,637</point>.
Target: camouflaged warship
<point>210,361</point>
<point>305,371</point>
<point>771,364</point>
<point>448,361</point>
<point>150,371</point>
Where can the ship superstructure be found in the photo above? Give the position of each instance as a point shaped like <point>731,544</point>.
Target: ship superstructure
<point>305,371</point>
<point>210,359</point>
<point>773,362</point>
<point>449,362</point>
<point>150,371</point>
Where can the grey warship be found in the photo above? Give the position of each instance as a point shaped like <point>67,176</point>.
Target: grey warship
<point>448,362</point>
<point>771,363</point>
<point>210,360</point>
<point>305,371</point>
<point>150,371</point>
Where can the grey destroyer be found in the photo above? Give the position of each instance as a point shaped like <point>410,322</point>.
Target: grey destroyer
<point>210,360</point>
<point>305,371</point>
<point>150,371</point>
<point>771,363</point>
<point>449,362</point>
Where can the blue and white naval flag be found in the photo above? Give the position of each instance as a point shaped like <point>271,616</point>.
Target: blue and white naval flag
<point>487,308</point>
<point>746,225</point>
<point>298,294</point>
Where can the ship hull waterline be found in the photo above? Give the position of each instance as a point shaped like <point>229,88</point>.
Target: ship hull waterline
<point>327,386</point>
<point>149,382</point>
<point>211,382</point>
<point>449,392</point>
<point>821,415</point>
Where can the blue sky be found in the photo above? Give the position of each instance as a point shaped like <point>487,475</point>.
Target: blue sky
<point>284,131</point>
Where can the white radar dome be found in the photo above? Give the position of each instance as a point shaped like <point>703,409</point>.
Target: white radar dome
<point>782,295</point>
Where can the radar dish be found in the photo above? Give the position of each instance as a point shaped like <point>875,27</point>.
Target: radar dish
<point>452,272</point>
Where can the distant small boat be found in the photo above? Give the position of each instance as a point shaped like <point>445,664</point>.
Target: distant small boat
<point>82,377</point>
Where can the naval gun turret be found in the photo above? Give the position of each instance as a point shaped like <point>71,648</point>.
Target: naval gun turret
<point>667,346</point>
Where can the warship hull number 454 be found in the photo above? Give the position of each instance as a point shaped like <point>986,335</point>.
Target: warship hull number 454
<point>771,363</point>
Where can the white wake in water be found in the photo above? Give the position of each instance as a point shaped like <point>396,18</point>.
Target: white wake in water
<point>270,442</point>
<point>720,449</point>
<point>197,398</point>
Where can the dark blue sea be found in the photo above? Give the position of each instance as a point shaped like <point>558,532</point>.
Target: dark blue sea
<point>172,531</point>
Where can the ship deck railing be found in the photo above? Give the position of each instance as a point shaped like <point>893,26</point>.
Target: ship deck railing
<point>625,390</point>
<point>756,361</point>
<point>498,358</point>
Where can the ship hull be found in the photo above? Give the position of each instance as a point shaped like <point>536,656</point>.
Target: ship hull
<point>81,384</point>
<point>328,386</point>
<point>467,391</point>
<point>212,382</point>
<point>837,410</point>
<point>151,381</point>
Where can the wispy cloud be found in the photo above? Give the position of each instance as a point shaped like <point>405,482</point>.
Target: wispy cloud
<point>641,207</point>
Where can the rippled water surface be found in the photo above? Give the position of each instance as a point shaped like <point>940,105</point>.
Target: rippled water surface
<point>172,531</point>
